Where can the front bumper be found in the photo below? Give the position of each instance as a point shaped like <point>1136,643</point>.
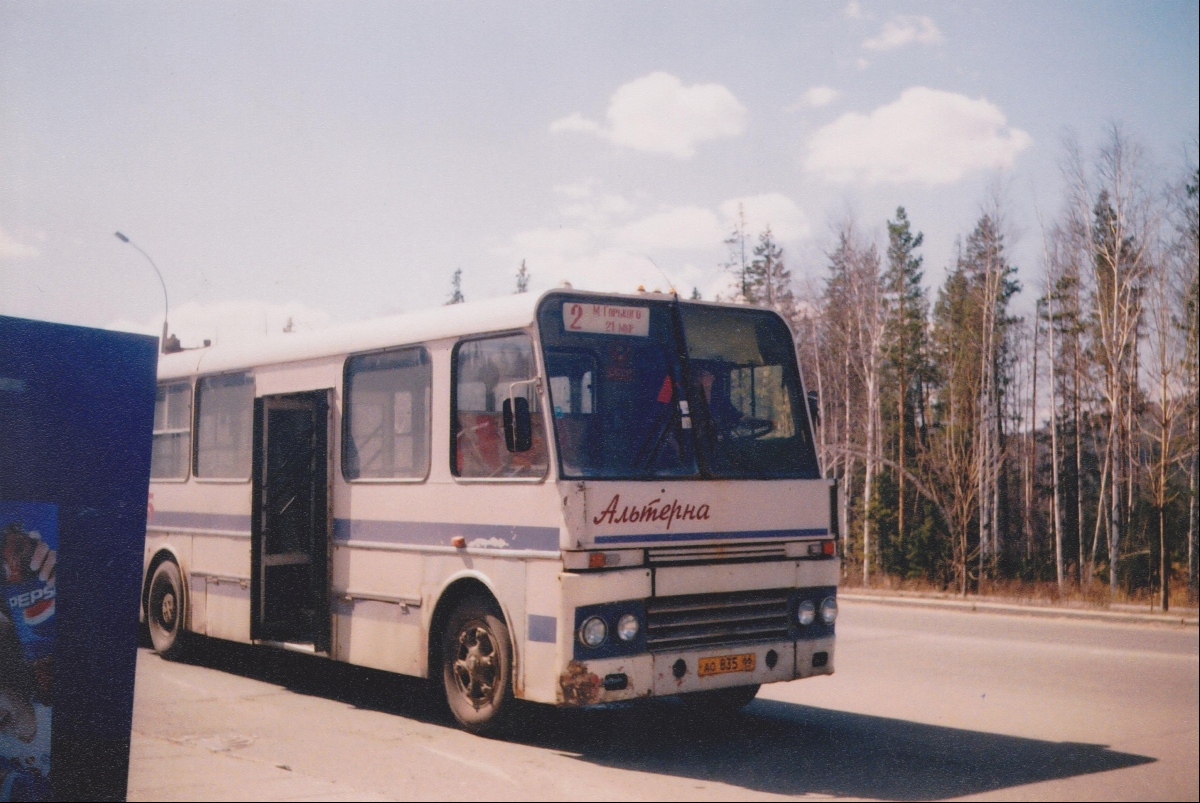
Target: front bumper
<point>609,680</point>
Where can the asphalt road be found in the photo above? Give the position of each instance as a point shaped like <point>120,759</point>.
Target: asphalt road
<point>926,704</point>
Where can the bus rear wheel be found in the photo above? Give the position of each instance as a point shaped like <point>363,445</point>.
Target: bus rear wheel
<point>477,666</point>
<point>164,610</point>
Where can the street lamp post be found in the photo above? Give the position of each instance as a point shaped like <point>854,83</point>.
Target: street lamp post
<point>163,346</point>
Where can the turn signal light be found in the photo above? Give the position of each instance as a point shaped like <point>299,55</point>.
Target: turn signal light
<point>829,547</point>
<point>598,560</point>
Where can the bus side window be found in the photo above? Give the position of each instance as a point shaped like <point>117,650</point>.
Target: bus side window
<point>224,426</point>
<point>484,371</point>
<point>386,425</point>
<point>171,451</point>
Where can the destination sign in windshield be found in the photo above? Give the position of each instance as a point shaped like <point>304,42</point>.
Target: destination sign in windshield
<point>606,319</point>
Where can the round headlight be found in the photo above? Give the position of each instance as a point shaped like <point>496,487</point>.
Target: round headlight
<point>593,631</point>
<point>806,612</point>
<point>828,610</point>
<point>627,627</point>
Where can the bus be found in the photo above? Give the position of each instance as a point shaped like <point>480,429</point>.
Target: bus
<point>574,499</point>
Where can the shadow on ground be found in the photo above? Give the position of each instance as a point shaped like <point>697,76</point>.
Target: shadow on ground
<point>769,746</point>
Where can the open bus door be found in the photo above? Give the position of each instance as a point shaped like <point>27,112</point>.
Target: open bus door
<point>291,525</point>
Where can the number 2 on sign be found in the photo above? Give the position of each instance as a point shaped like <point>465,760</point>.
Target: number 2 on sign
<point>577,312</point>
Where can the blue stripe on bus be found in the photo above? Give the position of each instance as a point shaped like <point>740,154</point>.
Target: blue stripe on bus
<point>439,533</point>
<point>543,628</point>
<point>660,537</point>
<point>229,522</point>
<point>414,533</point>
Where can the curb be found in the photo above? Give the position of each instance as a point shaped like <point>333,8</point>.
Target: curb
<point>1188,619</point>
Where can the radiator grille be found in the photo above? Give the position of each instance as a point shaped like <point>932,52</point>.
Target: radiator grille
<point>715,553</point>
<point>705,620</point>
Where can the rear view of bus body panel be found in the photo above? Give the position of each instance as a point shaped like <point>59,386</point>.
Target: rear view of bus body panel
<point>712,570</point>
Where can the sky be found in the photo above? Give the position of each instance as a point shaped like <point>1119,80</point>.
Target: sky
<point>330,162</point>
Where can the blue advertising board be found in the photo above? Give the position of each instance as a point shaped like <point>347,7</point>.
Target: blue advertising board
<point>76,417</point>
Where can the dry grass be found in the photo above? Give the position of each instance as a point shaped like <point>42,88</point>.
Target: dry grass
<point>1096,595</point>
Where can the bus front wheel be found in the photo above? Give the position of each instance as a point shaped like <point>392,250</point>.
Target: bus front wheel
<point>164,610</point>
<point>477,665</point>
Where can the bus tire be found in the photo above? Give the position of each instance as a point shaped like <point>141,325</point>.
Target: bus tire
<point>477,665</point>
<point>721,701</point>
<point>164,610</point>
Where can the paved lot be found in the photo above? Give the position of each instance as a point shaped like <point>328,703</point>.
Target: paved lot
<point>926,704</point>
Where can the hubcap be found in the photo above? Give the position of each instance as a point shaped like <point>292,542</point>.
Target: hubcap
<point>475,665</point>
<point>168,609</point>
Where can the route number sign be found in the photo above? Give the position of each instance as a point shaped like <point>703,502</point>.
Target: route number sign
<point>606,319</point>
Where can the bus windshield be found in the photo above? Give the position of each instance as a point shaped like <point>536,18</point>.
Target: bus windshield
<point>653,388</point>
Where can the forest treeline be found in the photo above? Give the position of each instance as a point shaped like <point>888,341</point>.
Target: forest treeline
<point>974,446</point>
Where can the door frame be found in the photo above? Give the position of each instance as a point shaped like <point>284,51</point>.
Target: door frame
<point>320,402</point>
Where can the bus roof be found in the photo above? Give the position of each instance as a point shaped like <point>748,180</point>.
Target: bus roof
<point>456,320</point>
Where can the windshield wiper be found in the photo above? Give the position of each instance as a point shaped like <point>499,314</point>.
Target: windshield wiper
<point>648,452</point>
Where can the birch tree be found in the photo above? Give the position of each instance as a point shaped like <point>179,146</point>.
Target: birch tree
<point>1166,365</point>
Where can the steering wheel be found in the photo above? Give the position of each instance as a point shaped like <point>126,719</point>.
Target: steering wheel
<point>750,428</point>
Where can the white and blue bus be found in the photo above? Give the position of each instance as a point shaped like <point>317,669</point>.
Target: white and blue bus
<point>572,499</point>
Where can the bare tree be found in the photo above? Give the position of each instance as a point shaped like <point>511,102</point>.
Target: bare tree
<point>1056,505</point>
<point>1187,259</point>
<point>1116,224</point>
<point>738,262</point>
<point>867,326</point>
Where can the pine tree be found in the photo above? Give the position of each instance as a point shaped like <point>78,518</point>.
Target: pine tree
<point>522,278</point>
<point>950,459</point>
<point>769,282</point>
<point>456,294</point>
<point>906,369</point>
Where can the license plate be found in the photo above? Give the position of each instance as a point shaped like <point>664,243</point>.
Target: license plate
<point>721,664</point>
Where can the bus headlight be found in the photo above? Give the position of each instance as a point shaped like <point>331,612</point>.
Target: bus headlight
<point>828,610</point>
<point>593,631</point>
<point>627,627</point>
<point>806,613</point>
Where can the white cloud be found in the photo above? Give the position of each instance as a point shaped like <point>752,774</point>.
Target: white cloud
<point>583,188</point>
<point>575,122</point>
<point>817,97</point>
<point>658,114</point>
<point>905,30</point>
<point>227,322</point>
<point>927,135</point>
<point>787,220</point>
<point>681,228</point>
<point>605,245</point>
<point>11,249</point>
<point>854,11</point>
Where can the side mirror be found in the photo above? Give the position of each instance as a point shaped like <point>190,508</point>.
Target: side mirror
<point>814,408</point>
<point>518,426</point>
